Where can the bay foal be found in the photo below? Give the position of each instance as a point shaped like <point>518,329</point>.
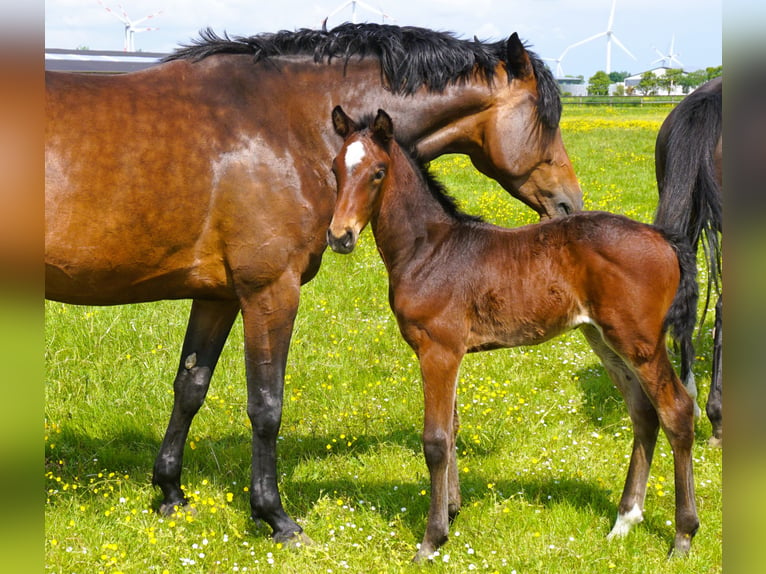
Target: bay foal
<point>458,285</point>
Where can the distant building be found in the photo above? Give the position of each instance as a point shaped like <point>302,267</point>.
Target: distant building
<point>633,81</point>
<point>104,62</point>
<point>573,86</point>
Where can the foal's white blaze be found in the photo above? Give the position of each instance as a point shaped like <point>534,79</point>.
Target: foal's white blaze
<point>354,155</point>
<point>625,521</point>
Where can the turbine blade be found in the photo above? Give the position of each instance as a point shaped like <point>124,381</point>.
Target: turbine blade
<point>624,49</point>
<point>611,16</point>
<point>581,42</point>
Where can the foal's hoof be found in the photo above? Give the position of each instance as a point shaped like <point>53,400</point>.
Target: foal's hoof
<point>681,546</point>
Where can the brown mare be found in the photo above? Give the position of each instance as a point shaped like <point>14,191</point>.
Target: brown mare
<point>458,285</point>
<point>688,161</point>
<point>207,177</point>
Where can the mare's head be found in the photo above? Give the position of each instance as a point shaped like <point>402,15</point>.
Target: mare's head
<point>360,168</point>
<point>513,136</point>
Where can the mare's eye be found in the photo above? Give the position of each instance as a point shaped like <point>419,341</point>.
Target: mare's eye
<point>380,174</point>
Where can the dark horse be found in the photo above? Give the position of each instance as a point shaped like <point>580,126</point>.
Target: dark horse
<point>458,285</point>
<point>688,160</point>
<point>207,177</point>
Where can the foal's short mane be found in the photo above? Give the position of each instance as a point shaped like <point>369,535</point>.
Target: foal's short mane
<point>435,187</point>
<point>410,57</point>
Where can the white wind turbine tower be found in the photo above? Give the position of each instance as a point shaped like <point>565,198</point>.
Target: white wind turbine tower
<point>668,59</point>
<point>610,37</point>
<point>130,25</point>
<point>353,4</point>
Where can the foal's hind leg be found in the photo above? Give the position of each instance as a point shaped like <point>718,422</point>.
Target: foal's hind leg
<point>645,429</point>
<point>714,406</point>
<point>675,410</point>
<point>206,333</point>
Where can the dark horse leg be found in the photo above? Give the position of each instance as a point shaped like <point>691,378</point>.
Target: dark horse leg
<point>206,333</point>
<point>268,316</point>
<point>714,407</point>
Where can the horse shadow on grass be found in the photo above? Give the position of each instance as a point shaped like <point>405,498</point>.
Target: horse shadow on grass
<point>226,460</point>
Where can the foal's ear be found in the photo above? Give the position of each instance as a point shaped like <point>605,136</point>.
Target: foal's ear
<point>343,124</point>
<point>383,127</point>
<point>518,58</point>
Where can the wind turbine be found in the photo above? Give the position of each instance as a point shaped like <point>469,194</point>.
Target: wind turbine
<point>353,4</point>
<point>559,68</point>
<point>130,25</point>
<point>667,60</point>
<point>610,37</point>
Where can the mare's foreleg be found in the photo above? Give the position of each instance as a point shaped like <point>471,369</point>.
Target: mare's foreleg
<point>207,330</point>
<point>439,369</point>
<point>268,318</point>
<point>645,429</point>
<point>714,407</point>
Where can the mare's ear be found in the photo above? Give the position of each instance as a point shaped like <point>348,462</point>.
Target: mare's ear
<point>343,124</point>
<point>383,127</point>
<point>518,58</point>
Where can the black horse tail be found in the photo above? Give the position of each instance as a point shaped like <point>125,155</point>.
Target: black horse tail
<point>689,192</point>
<point>682,314</point>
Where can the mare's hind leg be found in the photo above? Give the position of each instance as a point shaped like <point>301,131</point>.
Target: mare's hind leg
<point>714,406</point>
<point>645,429</point>
<point>207,330</point>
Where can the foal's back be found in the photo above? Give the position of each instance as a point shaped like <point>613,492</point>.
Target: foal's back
<point>526,285</point>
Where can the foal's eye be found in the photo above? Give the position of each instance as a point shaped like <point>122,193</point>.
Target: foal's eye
<point>380,174</point>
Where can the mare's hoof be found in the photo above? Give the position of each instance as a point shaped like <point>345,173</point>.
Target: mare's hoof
<point>715,441</point>
<point>293,540</point>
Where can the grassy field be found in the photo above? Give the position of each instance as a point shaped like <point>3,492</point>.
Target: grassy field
<point>543,448</point>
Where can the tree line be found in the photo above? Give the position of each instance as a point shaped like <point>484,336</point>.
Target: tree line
<point>651,84</point>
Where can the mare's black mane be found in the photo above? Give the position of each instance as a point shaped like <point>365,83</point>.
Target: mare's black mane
<point>410,57</point>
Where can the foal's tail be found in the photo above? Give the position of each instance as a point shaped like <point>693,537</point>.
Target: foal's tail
<point>682,315</point>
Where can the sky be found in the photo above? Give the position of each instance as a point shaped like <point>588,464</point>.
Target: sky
<point>644,27</point>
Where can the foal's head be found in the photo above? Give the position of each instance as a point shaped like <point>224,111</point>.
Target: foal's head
<point>360,169</point>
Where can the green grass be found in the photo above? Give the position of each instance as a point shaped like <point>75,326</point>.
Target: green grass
<point>543,445</point>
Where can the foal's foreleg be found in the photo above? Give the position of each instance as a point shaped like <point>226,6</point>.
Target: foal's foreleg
<point>206,333</point>
<point>439,368</point>
<point>453,476</point>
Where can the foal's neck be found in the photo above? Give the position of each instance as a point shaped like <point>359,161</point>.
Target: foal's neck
<point>410,220</point>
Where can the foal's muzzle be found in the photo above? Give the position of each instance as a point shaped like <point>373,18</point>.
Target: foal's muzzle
<point>343,244</point>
